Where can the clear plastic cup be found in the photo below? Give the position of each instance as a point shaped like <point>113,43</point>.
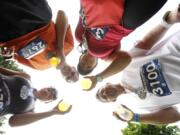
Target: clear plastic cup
<point>124,113</point>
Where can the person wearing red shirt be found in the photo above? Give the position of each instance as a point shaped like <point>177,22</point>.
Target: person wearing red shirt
<point>101,27</point>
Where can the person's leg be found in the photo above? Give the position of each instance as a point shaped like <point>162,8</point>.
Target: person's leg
<point>137,12</point>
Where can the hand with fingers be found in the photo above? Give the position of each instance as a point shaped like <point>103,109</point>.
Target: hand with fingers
<point>69,73</point>
<point>173,16</point>
<point>109,92</point>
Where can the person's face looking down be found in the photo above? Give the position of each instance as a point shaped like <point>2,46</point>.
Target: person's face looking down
<point>109,93</point>
<point>47,94</point>
<point>86,64</point>
<point>70,74</point>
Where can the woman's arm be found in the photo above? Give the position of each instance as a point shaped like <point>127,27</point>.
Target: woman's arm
<point>169,18</point>
<point>61,26</point>
<point>165,116</point>
<point>61,29</point>
<point>121,60</point>
<point>30,117</point>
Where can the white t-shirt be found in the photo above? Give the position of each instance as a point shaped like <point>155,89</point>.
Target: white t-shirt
<point>168,54</point>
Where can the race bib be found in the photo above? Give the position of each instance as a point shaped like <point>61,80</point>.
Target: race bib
<point>99,33</point>
<point>153,79</point>
<point>33,48</point>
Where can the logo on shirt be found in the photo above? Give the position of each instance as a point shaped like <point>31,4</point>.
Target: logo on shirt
<point>25,92</point>
<point>33,48</point>
<point>99,33</point>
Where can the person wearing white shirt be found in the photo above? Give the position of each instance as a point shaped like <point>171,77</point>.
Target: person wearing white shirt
<point>153,74</point>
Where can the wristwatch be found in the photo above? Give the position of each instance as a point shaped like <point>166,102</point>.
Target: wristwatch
<point>164,22</point>
<point>165,17</point>
<point>99,78</point>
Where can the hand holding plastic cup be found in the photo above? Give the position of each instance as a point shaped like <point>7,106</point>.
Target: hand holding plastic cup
<point>86,83</point>
<point>123,113</point>
<point>63,106</point>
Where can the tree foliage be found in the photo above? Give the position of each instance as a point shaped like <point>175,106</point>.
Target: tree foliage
<point>147,129</point>
<point>9,64</point>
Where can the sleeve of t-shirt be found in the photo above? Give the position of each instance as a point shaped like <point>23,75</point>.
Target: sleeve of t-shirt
<point>137,52</point>
<point>157,103</point>
<point>153,103</point>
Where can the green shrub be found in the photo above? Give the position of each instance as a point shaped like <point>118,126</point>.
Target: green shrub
<point>9,64</point>
<point>147,129</point>
<point>1,124</point>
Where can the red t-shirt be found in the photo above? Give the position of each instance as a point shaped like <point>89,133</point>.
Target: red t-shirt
<point>33,48</point>
<point>102,12</point>
<point>102,19</point>
<point>102,47</point>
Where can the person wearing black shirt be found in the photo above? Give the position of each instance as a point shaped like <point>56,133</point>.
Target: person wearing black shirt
<point>18,97</point>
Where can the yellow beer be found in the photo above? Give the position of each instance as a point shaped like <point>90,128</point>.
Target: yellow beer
<point>86,84</point>
<point>63,106</point>
<point>54,61</point>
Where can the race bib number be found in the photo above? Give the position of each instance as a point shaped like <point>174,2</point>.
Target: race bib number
<point>33,48</point>
<point>153,79</point>
<point>99,33</point>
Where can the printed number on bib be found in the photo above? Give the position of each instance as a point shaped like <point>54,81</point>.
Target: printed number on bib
<point>153,79</point>
<point>33,48</point>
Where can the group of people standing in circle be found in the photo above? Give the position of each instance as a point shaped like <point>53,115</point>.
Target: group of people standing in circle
<point>29,36</point>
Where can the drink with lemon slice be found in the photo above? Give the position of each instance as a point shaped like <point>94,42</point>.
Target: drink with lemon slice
<point>63,106</point>
<point>86,83</point>
<point>54,61</point>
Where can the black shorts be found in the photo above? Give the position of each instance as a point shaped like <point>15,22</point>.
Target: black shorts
<point>137,12</point>
<point>19,17</point>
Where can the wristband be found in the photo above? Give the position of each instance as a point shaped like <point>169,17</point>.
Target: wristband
<point>164,22</point>
<point>99,78</point>
<point>136,117</point>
